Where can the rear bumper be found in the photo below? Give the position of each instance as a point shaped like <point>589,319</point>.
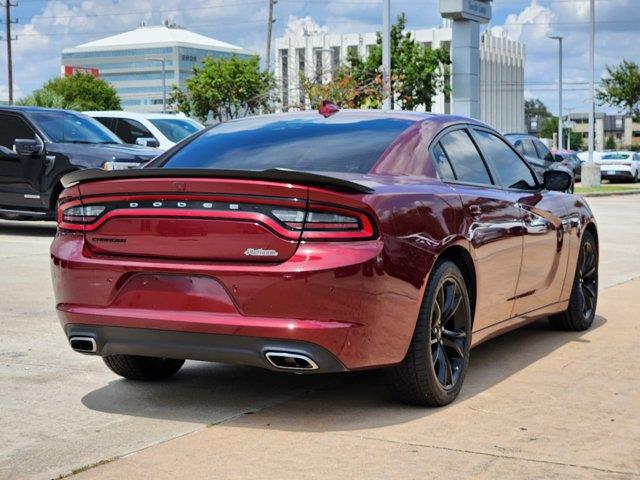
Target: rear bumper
<point>338,298</point>
<point>233,349</point>
<point>617,173</point>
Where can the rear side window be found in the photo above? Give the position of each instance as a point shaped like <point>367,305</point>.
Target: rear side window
<point>13,127</point>
<point>130,130</point>
<point>335,144</point>
<point>511,170</point>
<point>464,157</point>
<point>543,151</point>
<point>106,121</point>
<point>528,149</point>
<point>441,162</point>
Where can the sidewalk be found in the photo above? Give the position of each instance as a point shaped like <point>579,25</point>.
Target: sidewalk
<point>537,403</point>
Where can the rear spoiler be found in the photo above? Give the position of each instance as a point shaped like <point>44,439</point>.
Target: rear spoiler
<point>273,175</point>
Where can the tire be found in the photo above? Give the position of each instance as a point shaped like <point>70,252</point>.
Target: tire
<point>584,294</point>
<point>142,368</point>
<point>439,349</point>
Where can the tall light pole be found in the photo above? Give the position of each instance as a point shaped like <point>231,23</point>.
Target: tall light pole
<point>270,22</point>
<point>591,174</point>
<point>386,55</point>
<point>559,38</point>
<point>164,80</point>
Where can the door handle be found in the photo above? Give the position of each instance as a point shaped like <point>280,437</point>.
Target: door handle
<point>535,224</point>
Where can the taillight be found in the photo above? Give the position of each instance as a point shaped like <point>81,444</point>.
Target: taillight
<point>329,224</point>
<point>82,214</point>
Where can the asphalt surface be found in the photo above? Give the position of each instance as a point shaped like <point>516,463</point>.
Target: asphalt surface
<point>537,403</point>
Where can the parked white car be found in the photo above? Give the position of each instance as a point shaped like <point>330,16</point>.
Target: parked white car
<point>620,166</point>
<point>157,130</point>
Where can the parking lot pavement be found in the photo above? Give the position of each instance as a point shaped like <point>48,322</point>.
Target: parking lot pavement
<point>536,403</point>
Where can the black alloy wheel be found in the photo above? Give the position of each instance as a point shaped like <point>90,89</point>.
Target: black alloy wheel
<point>433,370</point>
<point>584,295</point>
<point>588,280</point>
<point>448,333</point>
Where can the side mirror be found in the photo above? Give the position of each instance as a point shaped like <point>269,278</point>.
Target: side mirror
<point>28,147</point>
<point>147,142</point>
<point>558,180</point>
<point>558,158</point>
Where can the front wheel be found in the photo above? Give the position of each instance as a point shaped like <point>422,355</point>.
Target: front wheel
<point>584,294</point>
<point>435,365</point>
<point>135,367</point>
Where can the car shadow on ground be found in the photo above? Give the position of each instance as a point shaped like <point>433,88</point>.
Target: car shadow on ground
<point>201,392</point>
<point>32,229</point>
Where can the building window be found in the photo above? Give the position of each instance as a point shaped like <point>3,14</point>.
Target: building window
<point>335,59</point>
<point>301,72</point>
<point>352,51</point>
<point>317,55</point>
<point>636,134</point>
<point>619,123</point>
<point>284,65</point>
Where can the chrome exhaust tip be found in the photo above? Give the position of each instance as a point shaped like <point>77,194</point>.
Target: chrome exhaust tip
<point>83,344</point>
<point>291,361</point>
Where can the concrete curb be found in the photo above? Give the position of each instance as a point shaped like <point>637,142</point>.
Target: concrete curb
<point>610,194</point>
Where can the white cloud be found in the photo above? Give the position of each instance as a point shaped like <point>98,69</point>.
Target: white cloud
<point>536,21</point>
<point>297,26</point>
<point>4,92</point>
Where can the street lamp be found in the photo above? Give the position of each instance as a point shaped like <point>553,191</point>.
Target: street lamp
<point>559,38</point>
<point>164,80</point>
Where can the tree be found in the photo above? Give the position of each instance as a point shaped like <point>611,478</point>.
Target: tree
<point>621,88</point>
<point>419,73</point>
<point>226,87</point>
<point>535,108</point>
<point>550,127</point>
<point>79,92</point>
<point>610,144</point>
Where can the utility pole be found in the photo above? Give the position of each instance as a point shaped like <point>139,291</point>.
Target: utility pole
<point>163,61</point>
<point>591,174</point>
<point>559,38</point>
<point>7,4</point>
<point>270,23</point>
<point>386,55</point>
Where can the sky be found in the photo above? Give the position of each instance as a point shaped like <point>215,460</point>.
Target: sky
<point>47,26</point>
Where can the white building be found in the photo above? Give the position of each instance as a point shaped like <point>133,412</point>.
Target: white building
<point>501,70</point>
<point>129,61</point>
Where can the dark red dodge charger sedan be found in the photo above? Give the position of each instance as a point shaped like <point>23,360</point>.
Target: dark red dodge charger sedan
<point>322,243</point>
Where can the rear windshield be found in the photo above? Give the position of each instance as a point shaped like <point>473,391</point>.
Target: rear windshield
<point>616,156</point>
<point>175,129</point>
<point>335,144</point>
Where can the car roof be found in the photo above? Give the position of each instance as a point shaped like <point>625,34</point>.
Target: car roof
<point>29,109</point>
<point>353,115</point>
<point>519,136</point>
<point>135,115</point>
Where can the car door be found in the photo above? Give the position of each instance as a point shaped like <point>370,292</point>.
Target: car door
<point>544,256</point>
<point>20,177</point>
<point>493,225</point>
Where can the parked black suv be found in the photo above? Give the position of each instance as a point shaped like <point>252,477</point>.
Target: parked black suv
<point>40,145</point>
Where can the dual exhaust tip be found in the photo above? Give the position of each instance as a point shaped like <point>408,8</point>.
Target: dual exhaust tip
<point>84,344</point>
<point>291,361</point>
<point>280,360</point>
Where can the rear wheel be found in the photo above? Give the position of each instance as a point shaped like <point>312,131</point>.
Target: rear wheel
<point>435,365</point>
<point>135,367</point>
<point>584,294</point>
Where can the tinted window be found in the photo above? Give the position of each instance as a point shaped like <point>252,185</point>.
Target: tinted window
<point>543,151</point>
<point>465,159</point>
<point>616,156</point>
<point>107,122</point>
<point>528,149</point>
<point>70,127</point>
<point>518,146</point>
<point>339,143</point>
<point>442,164</point>
<point>511,170</point>
<point>13,127</point>
<point>175,129</point>
<point>130,130</point>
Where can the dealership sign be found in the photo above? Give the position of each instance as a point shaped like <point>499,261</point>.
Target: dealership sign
<point>70,71</point>
<point>476,10</point>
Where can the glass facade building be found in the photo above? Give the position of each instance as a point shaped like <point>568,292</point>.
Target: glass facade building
<point>130,62</point>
